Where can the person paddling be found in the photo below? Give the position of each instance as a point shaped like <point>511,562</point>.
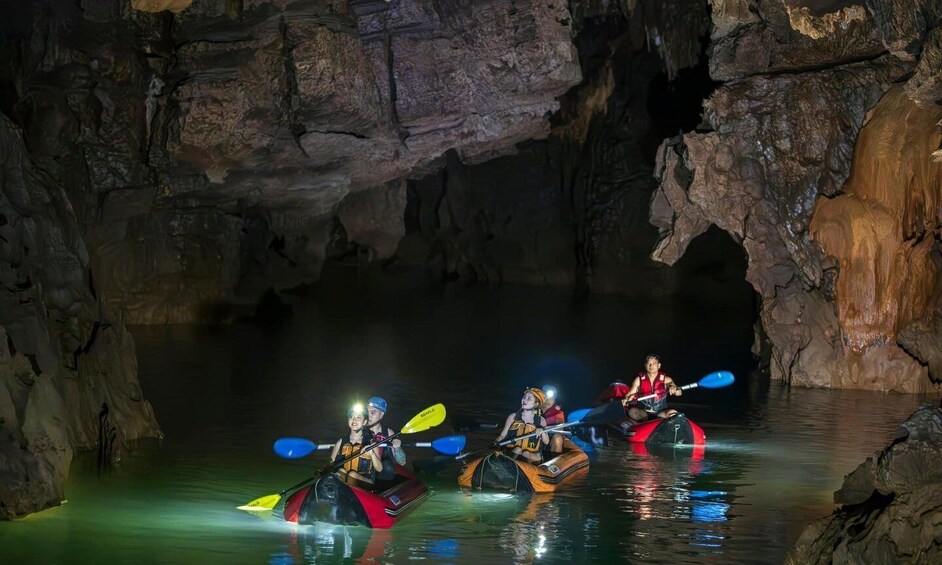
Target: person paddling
<point>525,421</point>
<point>363,469</point>
<point>391,455</point>
<point>650,381</point>
<point>553,414</point>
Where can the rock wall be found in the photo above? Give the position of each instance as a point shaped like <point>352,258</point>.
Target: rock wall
<point>801,81</point>
<point>213,151</point>
<point>570,210</point>
<point>891,505</point>
<point>68,372</point>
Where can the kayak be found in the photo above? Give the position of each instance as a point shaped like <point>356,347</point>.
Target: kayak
<point>498,471</point>
<point>674,430</point>
<point>331,500</point>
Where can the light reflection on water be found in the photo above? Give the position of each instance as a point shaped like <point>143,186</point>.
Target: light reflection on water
<point>223,394</point>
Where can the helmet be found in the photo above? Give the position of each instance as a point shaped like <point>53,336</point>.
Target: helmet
<point>538,394</point>
<point>356,409</point>
<point>550,392</point>
<point>377,402</point>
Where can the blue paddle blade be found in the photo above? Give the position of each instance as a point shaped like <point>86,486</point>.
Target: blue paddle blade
<point>578,414</point>
<point>718,379</point>
<point>294,447</point>
<point>451,445</point>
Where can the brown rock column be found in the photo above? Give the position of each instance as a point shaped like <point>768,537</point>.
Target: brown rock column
<point>881,229</point>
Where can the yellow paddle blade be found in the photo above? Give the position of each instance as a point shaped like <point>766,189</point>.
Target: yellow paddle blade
<point>428,418</point>
<point>263,503</point>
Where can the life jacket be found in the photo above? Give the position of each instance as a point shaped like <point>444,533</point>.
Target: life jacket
<point>657,403</point>
<point>554,415</point>
<point>520,428</point>
<point>362,464</point>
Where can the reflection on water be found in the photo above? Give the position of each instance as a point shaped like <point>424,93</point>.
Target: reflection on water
<point>223,394</point>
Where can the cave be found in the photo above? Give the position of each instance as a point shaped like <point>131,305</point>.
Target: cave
<point>225,224</point>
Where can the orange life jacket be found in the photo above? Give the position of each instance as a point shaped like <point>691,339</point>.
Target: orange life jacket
<point>362,464</point>
<point>520,428</point>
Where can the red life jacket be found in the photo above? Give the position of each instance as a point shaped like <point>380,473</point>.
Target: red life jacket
<point>554,415</point>
<point>659,388</point>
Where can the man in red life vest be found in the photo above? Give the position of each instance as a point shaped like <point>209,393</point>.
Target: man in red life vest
<point>553,414</point>
<point>650,381</point>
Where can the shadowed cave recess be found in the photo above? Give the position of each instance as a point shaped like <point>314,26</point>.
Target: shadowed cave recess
<point>201,161</point>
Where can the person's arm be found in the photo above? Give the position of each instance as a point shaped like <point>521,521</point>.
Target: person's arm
<point>376,458</point>
<point>398,455</point>
<point>672,387</point>
<point>335,450</point>
<point>543,436</point>
<point>503,434</point>
<point>633,391</point>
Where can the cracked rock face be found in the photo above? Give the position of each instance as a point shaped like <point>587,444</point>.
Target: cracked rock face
<point>213,151</point>
<point>300,107</point>
<point>64,356</point>
<point>783,134</point>
<point>892,504</point>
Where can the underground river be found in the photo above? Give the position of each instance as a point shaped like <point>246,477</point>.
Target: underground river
<point>223,394</point>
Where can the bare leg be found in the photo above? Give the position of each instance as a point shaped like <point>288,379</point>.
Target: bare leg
<point>667,413</point>
<point>556,443</point>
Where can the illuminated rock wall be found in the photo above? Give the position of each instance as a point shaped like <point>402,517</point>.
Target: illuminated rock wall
<point>802,117</point>
<point>68,371</point>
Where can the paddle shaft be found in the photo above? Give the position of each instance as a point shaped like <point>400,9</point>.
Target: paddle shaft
<point>512,440</point>
<point>650,396</point>
<point>545,430</point>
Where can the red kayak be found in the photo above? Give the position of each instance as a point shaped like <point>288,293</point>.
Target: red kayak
<point>675,430</point>
<point>333,501</point>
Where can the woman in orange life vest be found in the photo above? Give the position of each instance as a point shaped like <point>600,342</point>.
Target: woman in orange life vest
<point>362,470</point>
<point>553,414</point>
<point>650,381</point>
<point>525,421</point>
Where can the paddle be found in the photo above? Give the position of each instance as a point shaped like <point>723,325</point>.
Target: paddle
<point>296,447</point>
<point>601,415</point>
<point>717,379</point>
<point>424,420</point>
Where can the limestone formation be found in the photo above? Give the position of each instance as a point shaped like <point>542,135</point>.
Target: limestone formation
<point>804,79</point>
<point>881,228</point>
<point>64,355</point>
<point>891,504</point>
<point>208,159</point>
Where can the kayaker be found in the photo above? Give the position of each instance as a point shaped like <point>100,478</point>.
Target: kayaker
<point>553,414</point>
<point>527,420</point>
<point>650,381</point>
<point>360,470</point>
<point>391,455</point>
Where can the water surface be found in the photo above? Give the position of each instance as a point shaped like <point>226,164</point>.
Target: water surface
<point>223,394</point>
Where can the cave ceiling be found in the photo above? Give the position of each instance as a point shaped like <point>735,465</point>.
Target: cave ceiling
<point>299,104</point>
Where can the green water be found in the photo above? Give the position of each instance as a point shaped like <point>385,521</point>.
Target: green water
<point>224,394</point>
